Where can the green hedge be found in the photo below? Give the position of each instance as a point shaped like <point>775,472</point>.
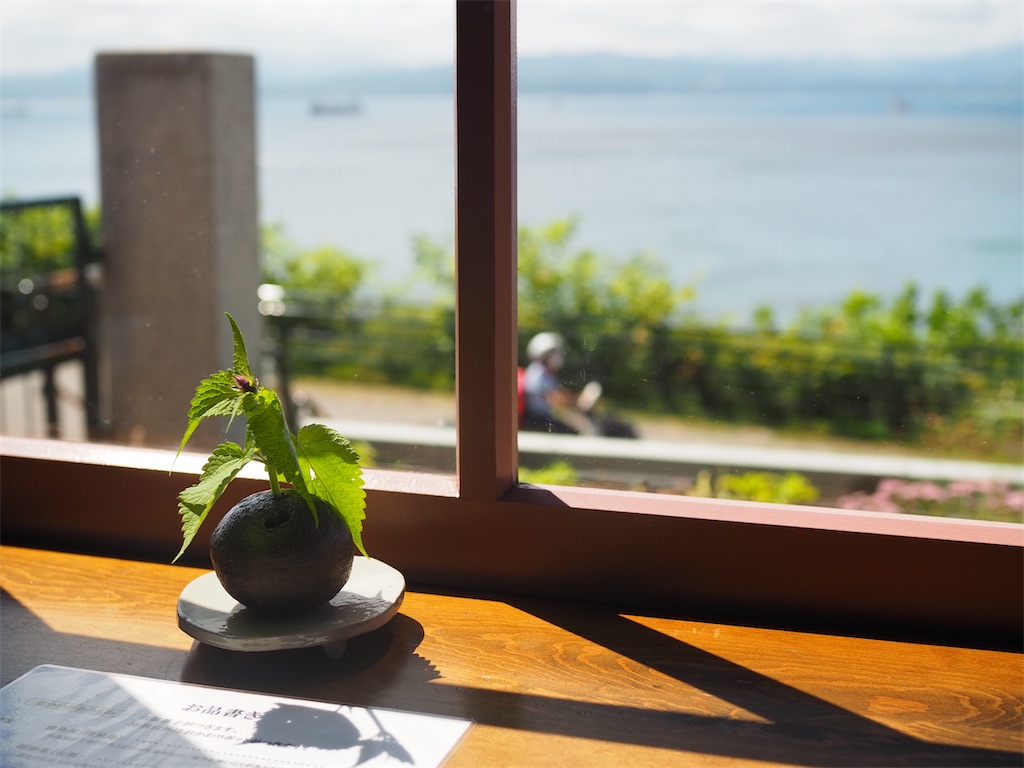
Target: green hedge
<point>770,379</point>
<point>868,368</point>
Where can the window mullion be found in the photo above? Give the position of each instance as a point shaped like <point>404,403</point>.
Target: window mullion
<point>487,457</point>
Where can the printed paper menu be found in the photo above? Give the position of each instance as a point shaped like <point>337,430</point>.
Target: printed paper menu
<point>83,719</point>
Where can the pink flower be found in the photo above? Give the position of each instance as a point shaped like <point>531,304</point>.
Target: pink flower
<point>930,492</point>
<point>963,488</point>
<point>1014,501</point>
<point>857,500</point>
<point>890,486</point>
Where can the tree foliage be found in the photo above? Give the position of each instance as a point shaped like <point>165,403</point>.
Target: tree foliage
<point>325,269</point>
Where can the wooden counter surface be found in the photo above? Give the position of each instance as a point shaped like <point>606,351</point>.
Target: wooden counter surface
<point>552,683</point>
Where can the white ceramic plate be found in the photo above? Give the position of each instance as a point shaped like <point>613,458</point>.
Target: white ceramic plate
<point>371,597</point>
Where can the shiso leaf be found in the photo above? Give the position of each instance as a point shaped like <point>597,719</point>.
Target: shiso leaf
<point>217,395</point>
<point>267,428</point>
<point>240,359</point>
<point>265,420</point>
<point>332,465</point>
<point>196,501</point>
<point>223,393</point>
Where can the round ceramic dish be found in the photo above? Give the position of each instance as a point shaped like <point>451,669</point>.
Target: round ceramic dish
<point>371,597</point>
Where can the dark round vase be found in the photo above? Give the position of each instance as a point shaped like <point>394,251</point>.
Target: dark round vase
<point>271,556</point>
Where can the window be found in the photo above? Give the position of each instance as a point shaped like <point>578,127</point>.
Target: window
<point>698,557</point>
<point>844,231</point>
<point>353,152</point>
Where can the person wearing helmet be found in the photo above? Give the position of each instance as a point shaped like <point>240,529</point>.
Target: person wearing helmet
<point>542,390</point>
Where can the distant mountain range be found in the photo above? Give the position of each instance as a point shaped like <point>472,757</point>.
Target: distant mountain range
<point>1000,69</point>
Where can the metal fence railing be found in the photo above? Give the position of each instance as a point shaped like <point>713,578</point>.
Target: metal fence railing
<point>48,273</point>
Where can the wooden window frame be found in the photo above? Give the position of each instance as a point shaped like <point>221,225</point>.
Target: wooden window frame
<point>777,565</point>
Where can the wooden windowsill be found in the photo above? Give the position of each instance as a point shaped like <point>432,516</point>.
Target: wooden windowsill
<point>552,682</point>
<point>910,577</point>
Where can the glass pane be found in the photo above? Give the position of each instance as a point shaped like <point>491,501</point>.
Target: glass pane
<point>355,178</point>
<point>787,244</point>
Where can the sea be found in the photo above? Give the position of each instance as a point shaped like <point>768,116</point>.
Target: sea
<point>789,200</point>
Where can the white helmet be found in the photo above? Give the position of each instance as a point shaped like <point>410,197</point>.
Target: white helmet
<point>542,345</point>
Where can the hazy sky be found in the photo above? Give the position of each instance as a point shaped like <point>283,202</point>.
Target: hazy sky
<point>336,35</point>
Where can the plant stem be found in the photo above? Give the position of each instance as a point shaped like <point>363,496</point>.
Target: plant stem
<point>275,486</point>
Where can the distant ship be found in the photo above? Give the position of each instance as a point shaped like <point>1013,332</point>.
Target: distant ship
<point>899,105</point>
<point>335,108</point>
<point>13,109</point>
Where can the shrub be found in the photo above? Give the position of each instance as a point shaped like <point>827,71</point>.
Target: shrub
<point>866,368</point>
<point>325,270</point>
<point>771,487</point>
<point>556,473</point>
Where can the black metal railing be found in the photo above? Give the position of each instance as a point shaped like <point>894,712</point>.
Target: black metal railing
<point>49,270</point>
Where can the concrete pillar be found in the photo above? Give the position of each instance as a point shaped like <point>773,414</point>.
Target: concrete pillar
<point>180,233</point>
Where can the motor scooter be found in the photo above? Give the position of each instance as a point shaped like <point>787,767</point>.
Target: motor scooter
<point>586,417</point>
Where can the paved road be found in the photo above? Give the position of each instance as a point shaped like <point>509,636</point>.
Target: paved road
<point>416,426</point>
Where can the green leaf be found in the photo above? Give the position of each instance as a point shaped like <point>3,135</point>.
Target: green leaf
<point>217,395</point>
<point>240,359</point>
<point>223,394</point>
<point>196,501</point>
<point>333,466</point>
<point>270,432</point>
